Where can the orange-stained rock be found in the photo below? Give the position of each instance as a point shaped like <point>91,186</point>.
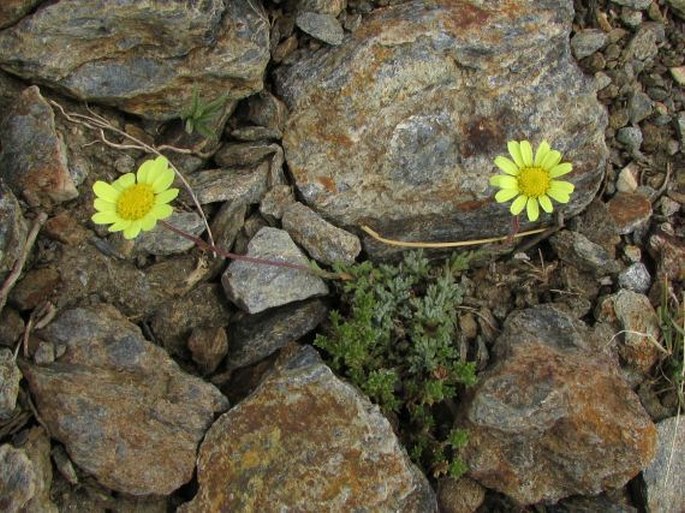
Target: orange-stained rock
<point>33,161</point>
<point>629,211</point>
<point>553,417</point>
<point>306,441</point>
<point>124,410</point>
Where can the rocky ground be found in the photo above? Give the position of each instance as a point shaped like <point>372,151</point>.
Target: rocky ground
<point>148,376</point>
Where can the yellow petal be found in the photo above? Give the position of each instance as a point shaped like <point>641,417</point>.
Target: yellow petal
<point>132,230</point>
<point>562,186</point>
<point>121,224</point>
<point>505,195</point>
<point>144,171</point>
<point>166,196</point>
<point>526,153</point>
<point>163,180</point>
<point>552,158</point>
<point>124,181</point>
<point>104,217</point>
<point>148,222</point>
<point>560,170</point>
<point>518,205</point>
<point>508,182</point>
<point>546,203</point>
<point>105,191</point>
<point>532,209</point>
<point>559,196</point>
<point>542,152</point>
<point>507,166</point>
<point>162,211</point>
<point>515,152</point>
<point>103,205</point>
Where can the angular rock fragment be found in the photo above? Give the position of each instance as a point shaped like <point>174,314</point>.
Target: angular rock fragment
<point>144,56</point>
<point>306,441</point>
<point>124,410</point>
<point>664,479</point>
<point>254,337</point>
<point>636,325</point>
<point>17,478</point>
<point>13,230</point>
<point>33,161</point>
<point>577,250</point>
<point>255,287</point>
<point>323,241</point>
<point>399,125</point>
<point>551,404</point>
<point>10,376</point>
<point>162,241</point>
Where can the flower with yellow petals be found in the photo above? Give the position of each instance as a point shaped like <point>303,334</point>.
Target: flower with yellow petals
<point>135,202</point>
<point>532,180</point>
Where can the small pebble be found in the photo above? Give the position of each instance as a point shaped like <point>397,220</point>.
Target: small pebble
<point>587,41</point>
<point>626,181</point>
<point>668,207</point>
<point>678,74</point>
<point>640,106</point>
<point>631,18</point>
<point>631,137</point>
<point>632,253</point>
<point>636,278</point>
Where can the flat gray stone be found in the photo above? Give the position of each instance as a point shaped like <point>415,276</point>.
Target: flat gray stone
<point>17,478</point>
<point>256,287</point>
<point>587,41</point>
<point>243,185</point>
<point>323,241</point>
<point>398,126</point>
<point>162,242</point>
<point>576,249</point>
<point>324,27</point>
<point>254,337</point>
<point>140,56</point>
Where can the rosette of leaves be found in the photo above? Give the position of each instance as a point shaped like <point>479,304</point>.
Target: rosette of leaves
<point>394,338</point>
<point>199,115</point>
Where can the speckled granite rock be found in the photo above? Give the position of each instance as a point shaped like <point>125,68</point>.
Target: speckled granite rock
<point>306,441</point>
<point>142,56</point>
<point>398,126</point>
<point>124,410</point>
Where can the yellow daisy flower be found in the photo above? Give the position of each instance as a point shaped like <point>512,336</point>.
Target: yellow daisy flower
<point>135,202</point>
<point>532,180</point>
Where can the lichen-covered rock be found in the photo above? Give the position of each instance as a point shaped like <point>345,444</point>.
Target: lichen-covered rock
<point>33,161</point>
<point>399,125</point>
<point>10,376</point>
<point>17,479</point>
<point>142,56</point>
<point>124,410</point>
<point>553,417</point>
<point>12,11</point>
<point>306,441</point>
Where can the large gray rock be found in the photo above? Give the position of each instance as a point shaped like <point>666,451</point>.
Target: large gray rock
<point>399,125</point>
<point>306,441</point>
<point>142,55</point>
<point>123,409</point>
<point>553,417</point>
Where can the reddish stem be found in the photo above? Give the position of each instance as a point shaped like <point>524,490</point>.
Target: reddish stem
<point>245,258</point>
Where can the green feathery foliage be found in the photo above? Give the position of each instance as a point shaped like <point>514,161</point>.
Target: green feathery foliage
<point>394,338</point>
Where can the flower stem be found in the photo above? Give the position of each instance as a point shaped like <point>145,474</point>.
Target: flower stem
<point>245,258</point>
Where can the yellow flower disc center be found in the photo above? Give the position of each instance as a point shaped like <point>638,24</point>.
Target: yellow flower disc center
<point>135,202</point>
<point>533,181</point>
